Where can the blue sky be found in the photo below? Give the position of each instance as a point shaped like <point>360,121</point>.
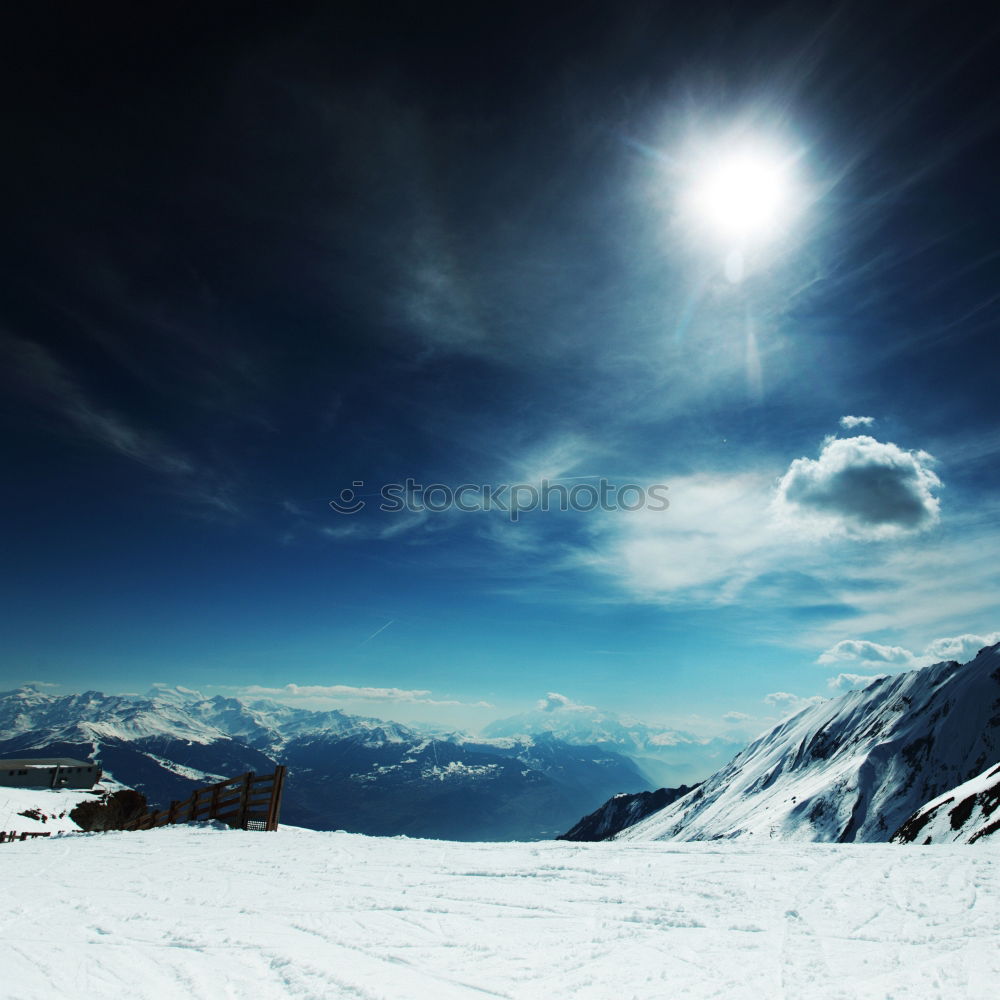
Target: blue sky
<point>251,264</point>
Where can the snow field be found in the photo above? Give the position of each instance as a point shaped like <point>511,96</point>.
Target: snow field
<point>188,912</point>
<point>55,804</point>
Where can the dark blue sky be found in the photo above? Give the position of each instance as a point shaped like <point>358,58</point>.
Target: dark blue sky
<point>255,255</point>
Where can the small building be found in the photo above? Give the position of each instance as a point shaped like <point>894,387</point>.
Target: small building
<point>49,772</point>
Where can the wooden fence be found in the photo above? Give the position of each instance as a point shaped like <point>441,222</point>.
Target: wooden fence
<point>10,836</point>
<point>248,802</point>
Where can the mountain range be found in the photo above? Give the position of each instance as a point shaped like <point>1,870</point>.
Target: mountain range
<point>914,758</point>
<point>861,767</point>
<point>359,774</point>
<point>668,756</point>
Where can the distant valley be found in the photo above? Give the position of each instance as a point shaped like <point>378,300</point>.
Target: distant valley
<point>363,775</point>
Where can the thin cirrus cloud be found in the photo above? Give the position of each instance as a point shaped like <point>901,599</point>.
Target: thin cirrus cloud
<point>51,386</point>
<point>347,692</point>
<point>848,531</point>
<point>726,533</point>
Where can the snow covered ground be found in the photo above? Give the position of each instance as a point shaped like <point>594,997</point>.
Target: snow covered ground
<point>54,804</point>
<point>188,912</point>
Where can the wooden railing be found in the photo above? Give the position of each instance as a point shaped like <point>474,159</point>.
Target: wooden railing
<point>9,836</point>
<point>248,802</point>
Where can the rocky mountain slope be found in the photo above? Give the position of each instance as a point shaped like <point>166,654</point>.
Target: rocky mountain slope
<point>965,815</point>
<point>854,768</point>
<point>622,811</point>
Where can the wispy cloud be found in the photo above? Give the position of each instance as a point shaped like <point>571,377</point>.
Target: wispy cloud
<point>388,527</point>
<point>347,692</point>
<point>50,384</point>
<point>377,631</point>
<point>857,532</point>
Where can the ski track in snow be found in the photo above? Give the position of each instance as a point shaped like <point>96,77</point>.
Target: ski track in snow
<point>189,912</point>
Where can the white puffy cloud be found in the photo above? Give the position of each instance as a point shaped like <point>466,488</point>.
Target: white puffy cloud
<point>849,423</point>
<point>555,702</point>
<point>850,682</point>
<point>780,699</point>
<point>865,651</point>
<point>787,702</point>
<point>726,540</point>
<point>862,487</point>
<point>736,717</point>
<point>960,647</point>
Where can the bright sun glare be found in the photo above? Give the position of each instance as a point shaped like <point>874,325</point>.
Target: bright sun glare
<point>743,196</point>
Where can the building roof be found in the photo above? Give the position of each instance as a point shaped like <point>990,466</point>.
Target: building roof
<point>44,762</point>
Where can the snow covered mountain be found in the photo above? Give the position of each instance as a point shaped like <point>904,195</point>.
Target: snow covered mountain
<point>622,811</point>
<point>853,768</point>
<point>668,756</point>
<point>427,787</point>
<point>173,713</point>
<point>346,772</point>
<point>970,820</point>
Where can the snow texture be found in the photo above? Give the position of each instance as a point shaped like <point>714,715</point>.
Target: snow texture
<point>187,912</point>
<point>50,808</point>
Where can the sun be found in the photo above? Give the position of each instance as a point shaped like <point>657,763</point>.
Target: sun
<point>742,196</point>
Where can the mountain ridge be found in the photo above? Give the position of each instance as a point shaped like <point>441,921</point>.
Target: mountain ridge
<point>669,756</point>
<point>851,769</point>
<point>356,773</point>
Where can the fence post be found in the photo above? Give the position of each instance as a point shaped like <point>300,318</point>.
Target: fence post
<point>211,796</point>
<point>277,788</point>
<point>245,799</point>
